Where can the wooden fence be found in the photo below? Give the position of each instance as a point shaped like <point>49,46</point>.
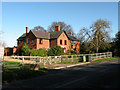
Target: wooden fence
<point>57,59</point>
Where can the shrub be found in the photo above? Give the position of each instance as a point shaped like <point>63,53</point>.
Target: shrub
<point>68,52</point>
<point>73,52</point>
<point>55,51</point>
<point>25,50</point>
<point>40,52</point>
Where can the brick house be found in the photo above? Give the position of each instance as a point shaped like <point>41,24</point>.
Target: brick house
<point>38,39</point>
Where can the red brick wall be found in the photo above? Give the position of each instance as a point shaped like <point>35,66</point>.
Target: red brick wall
<point>75,46</point>
<point>31,37</point>
<point>45,43</point>
<point>53,42</point>
<point>19,46</point>
<point>14,50</point>
<point>63,37</point>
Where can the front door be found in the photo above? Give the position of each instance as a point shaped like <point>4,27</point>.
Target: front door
<point>64,50</point>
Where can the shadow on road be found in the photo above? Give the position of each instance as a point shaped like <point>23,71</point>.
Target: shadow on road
<point>105,75</point>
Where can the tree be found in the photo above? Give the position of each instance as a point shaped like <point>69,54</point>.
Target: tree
<point>55,51</point>
<point>116,45</point>
<point>25,50</point>
<point>39,28</point>
<point>100,34</point>
<point>63,26</point>
<point>83,35</point>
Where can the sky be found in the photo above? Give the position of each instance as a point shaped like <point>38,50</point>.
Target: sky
<point>17,15</point>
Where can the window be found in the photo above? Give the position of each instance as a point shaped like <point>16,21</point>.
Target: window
<point>61,42</point>
<point>65,42</point>
<point>71,43</point>
<point>74,43</point>
<point>24,41</point>
<point>19,42</point>
<point>32,40</point>
<point>28,41</point>
<point>40,41</point>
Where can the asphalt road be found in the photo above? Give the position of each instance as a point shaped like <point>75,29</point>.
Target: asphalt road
<point>97,75</point>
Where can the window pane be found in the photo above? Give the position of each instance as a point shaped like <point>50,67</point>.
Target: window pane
<point>74,43</point>
<point>60,41</point>
<point>40,41</point>
<point>28,41</point>
<point>65,42</point>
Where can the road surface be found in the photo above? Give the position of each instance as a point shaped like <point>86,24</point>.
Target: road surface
<point>94,75</point>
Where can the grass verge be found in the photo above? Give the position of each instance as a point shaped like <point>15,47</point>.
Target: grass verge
<point>18,72</point>
<point>106,59</point>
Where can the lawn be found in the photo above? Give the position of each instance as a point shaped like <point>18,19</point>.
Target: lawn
<point>106,59</point>
<point>16,71</point>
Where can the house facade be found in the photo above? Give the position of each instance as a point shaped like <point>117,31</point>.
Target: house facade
<point>37,39</point>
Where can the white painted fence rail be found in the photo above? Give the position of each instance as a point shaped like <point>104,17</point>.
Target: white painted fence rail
<point>57,59</point>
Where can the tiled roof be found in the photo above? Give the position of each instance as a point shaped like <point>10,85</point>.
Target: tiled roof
<point>48,35</point>
<point>40,34</point>
<point>72,37</point>
<point>22,37</point>
<point>55,34</point>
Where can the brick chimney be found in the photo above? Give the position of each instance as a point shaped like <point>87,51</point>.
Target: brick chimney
<point>57,28</point>
<point>26,30</point>
<point>71,33</point>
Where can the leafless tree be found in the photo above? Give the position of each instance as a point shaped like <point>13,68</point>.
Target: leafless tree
<point>63,26</point>
<point>39,28</point>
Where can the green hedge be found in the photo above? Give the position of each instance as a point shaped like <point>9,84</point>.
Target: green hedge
<point>55,51</point>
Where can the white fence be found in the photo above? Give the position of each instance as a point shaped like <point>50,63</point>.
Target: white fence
<point>57,59</point>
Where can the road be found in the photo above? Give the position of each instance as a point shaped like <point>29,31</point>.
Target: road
<point>94,75</point>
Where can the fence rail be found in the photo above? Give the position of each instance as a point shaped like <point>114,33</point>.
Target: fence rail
<point>57,59</point>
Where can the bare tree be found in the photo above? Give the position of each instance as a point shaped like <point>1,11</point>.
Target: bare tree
<point>84,35</point>
<point>63,26</point>
<point>39,28</point>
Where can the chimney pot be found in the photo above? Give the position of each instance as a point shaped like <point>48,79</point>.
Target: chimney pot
<point>26,30</point>
<point>71,33</point>
<point>57,28</point>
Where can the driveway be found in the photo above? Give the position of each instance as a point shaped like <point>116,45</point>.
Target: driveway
<point>93,75</point>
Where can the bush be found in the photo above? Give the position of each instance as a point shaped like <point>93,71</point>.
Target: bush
<point>40,52</point>
<point>55,51</point>
<point>73,52</point>
<point>68,52</point>
<point>25,50</point>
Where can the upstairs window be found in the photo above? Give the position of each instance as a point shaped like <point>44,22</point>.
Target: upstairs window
<point>32,40</point>
<point>24,41</point>
<point>28,41</point>
<point>19,42</point>
<point>74,43</point>
<point>40,41</point>
<point>61,42</point>
<point>65,42</point>
<point>71,43</point>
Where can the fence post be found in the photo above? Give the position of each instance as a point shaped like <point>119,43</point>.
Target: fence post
<point>72,58</point>
<point>23,59</point>
<point>84,58</point>
<point>60,58</point>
